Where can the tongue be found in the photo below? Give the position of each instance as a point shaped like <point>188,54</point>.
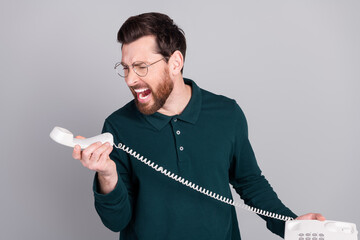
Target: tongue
<point>145,93</point>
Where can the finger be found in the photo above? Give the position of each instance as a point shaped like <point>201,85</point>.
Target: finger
<point>97,162</point>
<point>311,216</point>
<point>77,152</point>
<point>104,159</point>
<point>305,217</point>
<point>100,151</point>
<point>87,152</point>
<point>77,149</point>
<point>105,155</point>
<point>80,137</point>
<point>320,217</point>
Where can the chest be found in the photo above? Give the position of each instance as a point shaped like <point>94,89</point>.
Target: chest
<point>200,153</point>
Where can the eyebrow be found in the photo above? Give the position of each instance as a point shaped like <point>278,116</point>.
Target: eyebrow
<point>136,63</point>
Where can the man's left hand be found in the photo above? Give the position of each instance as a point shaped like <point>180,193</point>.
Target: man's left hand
<point>311,216</point>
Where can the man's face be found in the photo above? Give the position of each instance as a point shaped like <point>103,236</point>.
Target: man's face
<point>152,91</point>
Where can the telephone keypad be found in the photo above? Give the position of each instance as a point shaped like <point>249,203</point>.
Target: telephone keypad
<point>311,236</point>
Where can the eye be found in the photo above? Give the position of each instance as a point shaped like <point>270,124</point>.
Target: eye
<point>140,65</point>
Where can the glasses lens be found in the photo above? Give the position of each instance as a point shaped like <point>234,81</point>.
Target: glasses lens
<point>141,69</point>
<point>121,70</point>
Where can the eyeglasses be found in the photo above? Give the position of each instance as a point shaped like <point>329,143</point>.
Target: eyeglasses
<point>140,68</point>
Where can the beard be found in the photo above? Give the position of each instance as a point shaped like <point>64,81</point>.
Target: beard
<point>159,95</point>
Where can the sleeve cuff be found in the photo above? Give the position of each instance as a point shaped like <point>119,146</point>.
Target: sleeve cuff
<point>115,196</point>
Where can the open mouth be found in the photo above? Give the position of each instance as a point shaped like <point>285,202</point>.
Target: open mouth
<point>143,94</point>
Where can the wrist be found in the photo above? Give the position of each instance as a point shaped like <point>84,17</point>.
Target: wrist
<point>109,171</point>
<point>108,179</point>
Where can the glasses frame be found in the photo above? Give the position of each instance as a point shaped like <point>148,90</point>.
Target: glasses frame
<point>134,65</point>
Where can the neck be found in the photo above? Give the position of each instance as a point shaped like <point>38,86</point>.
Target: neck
<point>178,99</point>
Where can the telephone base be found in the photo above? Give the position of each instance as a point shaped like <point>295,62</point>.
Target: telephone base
<point>320,230</point>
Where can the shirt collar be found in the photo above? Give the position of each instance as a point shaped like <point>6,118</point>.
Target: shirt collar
<point>190,114</point>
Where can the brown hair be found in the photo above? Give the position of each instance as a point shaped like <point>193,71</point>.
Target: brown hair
<point>169,37</point>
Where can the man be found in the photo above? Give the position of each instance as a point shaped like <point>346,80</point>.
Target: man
<point>183,128</point>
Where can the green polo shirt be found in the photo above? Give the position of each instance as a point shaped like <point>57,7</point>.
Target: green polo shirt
<point>206,144</point>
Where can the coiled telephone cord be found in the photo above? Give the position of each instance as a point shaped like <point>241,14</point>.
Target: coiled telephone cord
<point>198,188</point>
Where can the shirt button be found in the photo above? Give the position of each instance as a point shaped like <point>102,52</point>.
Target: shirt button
<point>178,132</point>
<point>181,148</point>
<point>175,119</point>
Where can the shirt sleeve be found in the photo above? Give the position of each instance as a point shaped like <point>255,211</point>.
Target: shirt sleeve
<point>248,181</point>
<point>115,208</point>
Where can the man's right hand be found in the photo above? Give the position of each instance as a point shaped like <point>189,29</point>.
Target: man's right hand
<point>96,157</point>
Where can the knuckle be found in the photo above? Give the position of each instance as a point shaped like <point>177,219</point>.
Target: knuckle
<point>105,154</point>
<point>95,155</point>
<point>102,158</point>
<point>93,167</point>
<point>86,154</point>
<point>98,153</point>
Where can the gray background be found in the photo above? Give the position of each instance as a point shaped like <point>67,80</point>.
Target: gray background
<point>293,66</point>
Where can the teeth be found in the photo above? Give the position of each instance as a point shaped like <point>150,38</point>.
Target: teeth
<point>140,90</point>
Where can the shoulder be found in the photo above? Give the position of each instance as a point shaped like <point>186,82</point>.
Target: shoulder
<point>222,103</point>
<point>224,110</point>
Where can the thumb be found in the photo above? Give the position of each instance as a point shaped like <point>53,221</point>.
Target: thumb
<point>80,137</point>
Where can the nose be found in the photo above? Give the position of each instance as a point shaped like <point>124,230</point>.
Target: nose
<point>132,78</point>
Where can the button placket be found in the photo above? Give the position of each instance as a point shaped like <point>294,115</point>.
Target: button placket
<point>177,134</point>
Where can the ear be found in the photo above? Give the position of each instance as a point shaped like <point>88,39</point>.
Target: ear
<point>176,63</point>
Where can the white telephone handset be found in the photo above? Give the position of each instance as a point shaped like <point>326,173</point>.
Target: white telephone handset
<point>65,137</point>
<point>319,230</point>
<point>294,229</point>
